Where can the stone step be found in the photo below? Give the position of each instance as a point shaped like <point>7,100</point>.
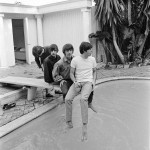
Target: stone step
<point>12,96</point>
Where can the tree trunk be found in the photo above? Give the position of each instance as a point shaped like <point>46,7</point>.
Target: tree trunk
<point>116,46</point>
<point>142,46</point>
<point>146,34</point>
<point>129,12</point>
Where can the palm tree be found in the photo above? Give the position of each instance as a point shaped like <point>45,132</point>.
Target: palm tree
<point>143,15</point>
<point>140,24</point>
<point>129,12</point>
<point>108,13</point>
<point>125,19</point>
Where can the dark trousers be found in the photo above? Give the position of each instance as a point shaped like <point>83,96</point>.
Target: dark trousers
<point>65,87</point>
<point>90,98</point>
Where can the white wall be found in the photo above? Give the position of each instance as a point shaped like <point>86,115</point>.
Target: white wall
<point>63,27</point>
<point>32,36</point>
<point>8,37</point>
<point>62,23</point>
<point>9,45</point>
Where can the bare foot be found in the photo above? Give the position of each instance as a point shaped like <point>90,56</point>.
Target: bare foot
<point>84,133</point>
<point>69,124</point>
<point>93,108</point>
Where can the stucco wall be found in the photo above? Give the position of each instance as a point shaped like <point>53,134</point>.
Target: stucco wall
<point>9,45</point>
<point>63,27</point>
<point>32,36</point>
<point>62,23</point>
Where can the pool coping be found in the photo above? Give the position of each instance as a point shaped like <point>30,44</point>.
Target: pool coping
<point>99,81</point>
<point>9,127</point>
<point>13,125</point>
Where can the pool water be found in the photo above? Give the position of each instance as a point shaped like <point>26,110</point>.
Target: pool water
<point>122,122</point>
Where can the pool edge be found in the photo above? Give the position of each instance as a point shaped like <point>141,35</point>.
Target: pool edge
<point>99,81</point>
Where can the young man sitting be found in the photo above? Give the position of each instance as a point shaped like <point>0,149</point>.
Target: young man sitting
<point>49,64</point>
<point>61,71</point>
<point>83,75</point>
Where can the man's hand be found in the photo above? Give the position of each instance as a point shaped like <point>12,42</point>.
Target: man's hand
<point>58,78</point>
<point>77,84</point>
<point>62,82</point>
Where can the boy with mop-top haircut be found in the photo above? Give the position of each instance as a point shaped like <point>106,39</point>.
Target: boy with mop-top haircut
<point>61,71</point>
<point>83,75</point>
<point>49,63</point>
<point>40,54</point>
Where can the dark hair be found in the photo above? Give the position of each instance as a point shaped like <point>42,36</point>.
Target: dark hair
<point>84,46</point>
<point>67,47</point>
<point>53,47</point>
<point>47,49</point>
<point>37,50</point>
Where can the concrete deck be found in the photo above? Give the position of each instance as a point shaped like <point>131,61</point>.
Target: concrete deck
<point>30,110</point>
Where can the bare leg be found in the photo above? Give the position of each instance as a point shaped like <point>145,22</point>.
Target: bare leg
<point>84,132</point>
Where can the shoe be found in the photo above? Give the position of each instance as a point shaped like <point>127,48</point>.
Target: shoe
<point>9,106</point>
<point>49,95</point>
<point>69,124</point>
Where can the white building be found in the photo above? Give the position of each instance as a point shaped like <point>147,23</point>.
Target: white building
<point>23,26</point>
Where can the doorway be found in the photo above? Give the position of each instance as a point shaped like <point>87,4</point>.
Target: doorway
<point>19,40</point>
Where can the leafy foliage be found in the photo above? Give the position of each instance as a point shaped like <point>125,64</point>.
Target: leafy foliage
<point>108,12</point>
<point>129,28</point>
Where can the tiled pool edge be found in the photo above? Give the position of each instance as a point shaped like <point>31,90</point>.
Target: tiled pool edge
<point>99,81</point>
<point>9,127</point>
<point>4,130</point>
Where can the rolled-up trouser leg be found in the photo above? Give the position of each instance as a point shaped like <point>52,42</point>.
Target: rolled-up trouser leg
<point>84,110</point>
<point>68,110</point>
<point>85,92</point>
<point>68,101</point>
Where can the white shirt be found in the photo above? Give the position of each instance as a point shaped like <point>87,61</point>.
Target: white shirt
<point>84,68</point>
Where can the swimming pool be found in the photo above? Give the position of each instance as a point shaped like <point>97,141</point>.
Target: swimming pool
<point>122,122</point>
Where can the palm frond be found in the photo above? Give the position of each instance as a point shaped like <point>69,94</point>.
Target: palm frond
<point>108,12</point>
